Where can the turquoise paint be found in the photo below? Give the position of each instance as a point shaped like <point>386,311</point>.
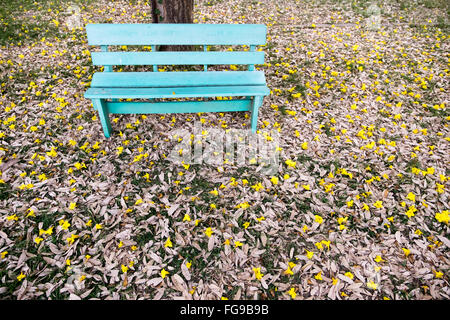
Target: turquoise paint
<point>191,84</point>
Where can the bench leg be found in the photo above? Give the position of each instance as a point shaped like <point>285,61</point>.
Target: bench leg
<point>100,105</point>
<point>257,102</point>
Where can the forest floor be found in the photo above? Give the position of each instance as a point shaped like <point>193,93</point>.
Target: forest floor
<point>357,208</point>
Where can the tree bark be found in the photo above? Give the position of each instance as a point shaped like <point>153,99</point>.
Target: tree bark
<point>173,11</point>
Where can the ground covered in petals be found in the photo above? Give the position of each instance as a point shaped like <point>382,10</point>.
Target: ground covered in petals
<point>358,207</point>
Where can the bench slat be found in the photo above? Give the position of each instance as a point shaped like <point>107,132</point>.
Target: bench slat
<point>179,106</point>
<point>176,79</point>
<point>176,34</point>
<point>178,92</point>
<point>176,58</point>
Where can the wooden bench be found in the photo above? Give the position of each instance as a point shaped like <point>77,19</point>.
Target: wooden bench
<point>108,87</point>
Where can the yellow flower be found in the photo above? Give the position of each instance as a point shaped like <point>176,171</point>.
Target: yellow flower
<point>71,239</point>
<point>406,251</point>
<point>30,213</point>
<point>209,232</point>
<point>98,226</point>
<point>52,152</point>
<point>378,259</point>
<point>411,196</point>
<point>64,224</point>
<point>20,276</point>
<point>12,217</point>
<point>186,217</point>
<point>304,145</point>
<point>306,187</point>
<point>292,293</point>
<point>318,276</point>
<point>164,273</point>
<point>410,212</point>
<point>327,243</point>
<point>72,206</point>
<point>188,264</point>
<point>372,285</point>
<point>38,240</point>
<point>288,271</point>
<point>257,186</point>
<point>124,268</point>
<point>378,204</point>
<point>274,180</point>
<point>443,216</point>
<point>258,274</point>
<point>3,254</point>
<point>168,243</point>
<point>290,163</point>
<point>438,274</point>
<point>318,219</point>
<point>342,220</point>
<point>309,254</point>
<point>49,231</point>
<point>349,275</point>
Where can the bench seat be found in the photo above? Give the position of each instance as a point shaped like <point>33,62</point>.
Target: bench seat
<point>175,92</point>
<point>176,79</point>
<point>149,85</point>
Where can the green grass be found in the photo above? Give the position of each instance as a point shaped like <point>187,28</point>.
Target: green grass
<point>23,21</point>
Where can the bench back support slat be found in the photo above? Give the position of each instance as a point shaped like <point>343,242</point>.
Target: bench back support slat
<point>205,66</point>
<point>176,34</point>
<point>107,68</point>
<point>177,58</point>
<point>251,67</point>
<point>155,67</point>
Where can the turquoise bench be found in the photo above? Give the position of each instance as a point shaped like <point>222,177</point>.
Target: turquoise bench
<point>108,89</point>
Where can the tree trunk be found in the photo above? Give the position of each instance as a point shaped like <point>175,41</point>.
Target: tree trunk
<point>173,11</point>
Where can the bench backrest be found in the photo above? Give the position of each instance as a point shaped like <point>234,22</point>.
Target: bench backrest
<point>105,35</point>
